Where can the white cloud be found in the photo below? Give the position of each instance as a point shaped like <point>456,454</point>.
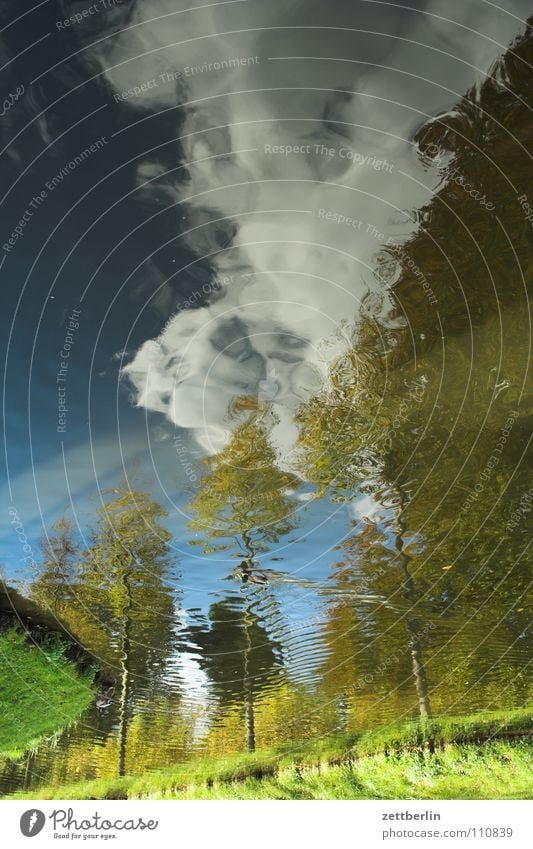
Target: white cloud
<point>293,279</point>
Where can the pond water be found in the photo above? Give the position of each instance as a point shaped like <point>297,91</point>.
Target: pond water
<point>268,382</point>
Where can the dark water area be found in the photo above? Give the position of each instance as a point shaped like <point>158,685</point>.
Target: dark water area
<point>268,395</point>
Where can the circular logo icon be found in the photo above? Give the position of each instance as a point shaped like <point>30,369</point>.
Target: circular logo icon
<point>32,822</point>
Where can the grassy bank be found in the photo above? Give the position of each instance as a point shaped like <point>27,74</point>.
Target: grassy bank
<point>40,691</point>
<point>484,756</point>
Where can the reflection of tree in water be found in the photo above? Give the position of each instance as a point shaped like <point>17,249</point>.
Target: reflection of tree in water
<point>243,493</point>
<point>373,631</point>
<point>465,573</point>
<point>239,656</point>
<point>420,406</point>
<point>114,598</point>
<point>476,260</point>
<point>463,566</point>
<point>411,623</point>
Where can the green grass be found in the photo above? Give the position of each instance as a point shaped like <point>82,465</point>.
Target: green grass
<point>495,770</point>
<point>484,756</point>
<point>40,691</point>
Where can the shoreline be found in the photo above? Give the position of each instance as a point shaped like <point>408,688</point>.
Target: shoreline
<point>477,756</point>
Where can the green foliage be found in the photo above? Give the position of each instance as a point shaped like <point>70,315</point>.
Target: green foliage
<point>40,691</point>
<point>129,531</point>
<point>119,577</point>
<point>243,491</point>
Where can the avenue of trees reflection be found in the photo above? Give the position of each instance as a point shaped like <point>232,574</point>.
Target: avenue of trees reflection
<point>423,430</point>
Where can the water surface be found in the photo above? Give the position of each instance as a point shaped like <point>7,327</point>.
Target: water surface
<point>290,493</point>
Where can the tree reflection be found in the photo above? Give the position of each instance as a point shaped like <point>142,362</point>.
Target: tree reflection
<point>114,595</point>
<point>243,493</point>
<point>239,656</point>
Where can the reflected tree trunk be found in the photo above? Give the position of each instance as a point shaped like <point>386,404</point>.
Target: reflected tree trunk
<point>249,716</point>
<point>411,623</point>
<point>419,671</point>
<point>28,771</point>
<point>342,706</point>
<point>248,545</point>
<point>249,720</point>
<point>125,677</point>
